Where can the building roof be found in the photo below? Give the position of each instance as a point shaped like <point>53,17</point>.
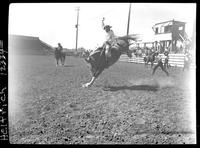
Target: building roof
<point>169,22</point>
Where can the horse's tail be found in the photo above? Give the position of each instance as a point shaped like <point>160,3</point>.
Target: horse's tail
<point>127,37</point>
<point>127,44</point>
<point>134,37</point>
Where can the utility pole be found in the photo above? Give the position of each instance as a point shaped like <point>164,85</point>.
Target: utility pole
<point>128,19</point>
<point>77,9</point>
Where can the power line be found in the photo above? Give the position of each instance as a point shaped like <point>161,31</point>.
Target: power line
<point>128,19</point>
<point>77,9</point>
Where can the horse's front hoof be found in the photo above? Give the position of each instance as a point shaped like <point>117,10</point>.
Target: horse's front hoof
<point>86,85</point>
<point>83,85</point>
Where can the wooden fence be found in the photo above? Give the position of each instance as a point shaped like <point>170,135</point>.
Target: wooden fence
<point>174,60</point>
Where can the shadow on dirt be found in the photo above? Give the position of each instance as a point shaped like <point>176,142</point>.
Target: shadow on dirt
<point>68,65</point>
<point>179,133</point>
<point>134,87</point>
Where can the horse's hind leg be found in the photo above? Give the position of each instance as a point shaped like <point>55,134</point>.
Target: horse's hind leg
<point>56,62</point>
<point>62,61</point>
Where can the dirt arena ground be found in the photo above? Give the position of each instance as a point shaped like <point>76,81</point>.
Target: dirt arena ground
<point>126,104</point>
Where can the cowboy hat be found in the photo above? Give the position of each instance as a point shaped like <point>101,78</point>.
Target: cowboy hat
<point>107,26</point>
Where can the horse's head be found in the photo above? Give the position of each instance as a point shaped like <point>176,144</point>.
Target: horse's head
<point>85,53</point>
<point>95,61</point>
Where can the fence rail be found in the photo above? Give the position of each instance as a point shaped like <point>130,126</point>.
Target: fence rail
<point>174,60</point>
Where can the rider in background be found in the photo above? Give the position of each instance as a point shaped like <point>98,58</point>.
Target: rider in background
<point>159,64</point>
<point>60,47</point>
<point>57,52</point>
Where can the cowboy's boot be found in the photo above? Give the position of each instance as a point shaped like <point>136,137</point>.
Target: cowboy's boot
<point>107,55</point>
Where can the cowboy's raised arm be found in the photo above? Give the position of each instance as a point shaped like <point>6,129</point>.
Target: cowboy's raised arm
<point>103,25</point>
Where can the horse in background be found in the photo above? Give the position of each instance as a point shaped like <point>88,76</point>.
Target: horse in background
<point>59,55</point>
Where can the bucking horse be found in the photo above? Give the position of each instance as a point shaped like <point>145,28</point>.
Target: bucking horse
<point>97,59</point>
<point>59,55</point>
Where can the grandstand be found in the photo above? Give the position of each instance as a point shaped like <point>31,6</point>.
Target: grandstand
<point>19,44</point>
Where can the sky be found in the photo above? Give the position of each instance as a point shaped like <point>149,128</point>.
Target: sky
<point>55,23</point>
